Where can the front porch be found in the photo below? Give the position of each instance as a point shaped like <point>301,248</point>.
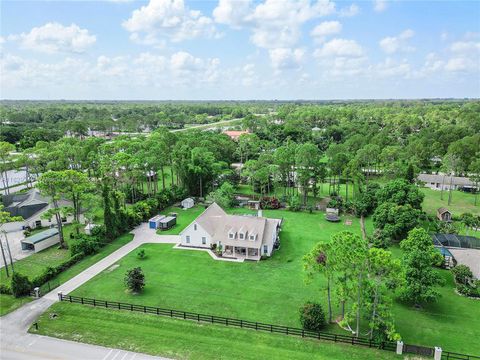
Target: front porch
<point>240,252</point>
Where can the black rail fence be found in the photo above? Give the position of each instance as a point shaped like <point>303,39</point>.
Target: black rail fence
<point>286,330</point>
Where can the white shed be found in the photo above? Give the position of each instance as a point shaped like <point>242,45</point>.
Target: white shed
<point>41,241</point>
<point>88,228</point>
<point>188,203</point>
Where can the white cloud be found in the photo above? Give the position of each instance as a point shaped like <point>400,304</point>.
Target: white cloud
<point>465,47</point>
<point>274,23</point>
<point>393,44</point>
<point>285,58</point>
<point>232,12</point>
<point>170,19</point>
<point>54,37</point>
<point>392,68</point>
<point>326,28</point>
<point>340,48</point>
<point>379,5</point>
<point>350,11</point>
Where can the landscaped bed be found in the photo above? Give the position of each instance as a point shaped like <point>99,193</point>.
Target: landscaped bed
<point>273,290</point>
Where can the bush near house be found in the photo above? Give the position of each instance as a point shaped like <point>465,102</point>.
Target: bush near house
<point>464,281</point>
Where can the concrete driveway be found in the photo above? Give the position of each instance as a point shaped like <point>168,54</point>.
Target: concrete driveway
<point>14,239</point>
<point>16,343</point>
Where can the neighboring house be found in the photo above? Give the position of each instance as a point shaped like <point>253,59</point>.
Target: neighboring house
<point>41,241</point>
<point>444,214</point>
<point>235,134</point>
<point>240,236</point>
<point>443,181</point>
<point>31,206</point>
<point>188,203</point>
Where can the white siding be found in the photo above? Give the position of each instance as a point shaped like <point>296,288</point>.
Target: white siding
<point>195,236</point>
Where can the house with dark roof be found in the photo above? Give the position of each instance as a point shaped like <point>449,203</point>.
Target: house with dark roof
<point>31,205</point>
<point>239,236</point>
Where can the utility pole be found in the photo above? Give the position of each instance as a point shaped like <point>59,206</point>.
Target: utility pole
<point>4,259</point>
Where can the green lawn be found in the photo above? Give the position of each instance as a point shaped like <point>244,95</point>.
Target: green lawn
<point>461,202</point>
<point>9,303</point>
<point>184,218</point>
<point>273,290</point>
<point>183,339</point>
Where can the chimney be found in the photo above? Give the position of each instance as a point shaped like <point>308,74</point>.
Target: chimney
<point>260,213</point>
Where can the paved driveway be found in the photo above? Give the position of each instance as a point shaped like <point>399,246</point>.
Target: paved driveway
<point>14,239</point>
<point>16,343</point>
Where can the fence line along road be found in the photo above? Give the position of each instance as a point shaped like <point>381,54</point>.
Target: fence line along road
<point>286,330</point>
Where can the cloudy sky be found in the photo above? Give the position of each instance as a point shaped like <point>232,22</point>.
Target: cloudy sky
<point>232,49</point>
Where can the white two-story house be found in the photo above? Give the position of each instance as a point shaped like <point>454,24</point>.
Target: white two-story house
<point>239,236</point>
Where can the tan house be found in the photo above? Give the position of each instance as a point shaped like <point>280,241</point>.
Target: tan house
<point>239,236</point>
<point>235,134</point>
<point>443,214</point>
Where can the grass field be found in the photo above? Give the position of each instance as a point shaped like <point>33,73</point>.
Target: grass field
<point>184,218</point>
<point>9,303</point>
<point>273,290</point>
<point>462,202</point>
<point>182,339</point>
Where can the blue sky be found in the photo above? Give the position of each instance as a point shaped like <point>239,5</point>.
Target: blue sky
<point>231,49</point>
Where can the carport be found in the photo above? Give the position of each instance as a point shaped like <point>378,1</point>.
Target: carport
<point>41,241</point>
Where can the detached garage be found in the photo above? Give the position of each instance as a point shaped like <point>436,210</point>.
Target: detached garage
<point>188,203</point>
<point>154,223</point>
<point>41,241</point>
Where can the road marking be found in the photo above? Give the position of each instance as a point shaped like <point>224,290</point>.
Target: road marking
<point>118,353</point>
<point>124,356</point>
<point>33,342</point>
<point>108,354</point>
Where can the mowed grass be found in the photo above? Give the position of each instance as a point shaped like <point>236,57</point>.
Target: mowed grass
<point>9,303</point>
<point>184,218</point>
<point>183,339</point>
<point>272,290</point>
<point>461,203</point>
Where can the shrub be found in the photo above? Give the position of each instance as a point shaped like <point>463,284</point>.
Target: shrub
<point>5,289</point>
<point>20,285</point>
<point>50,272</point>
<point>135,280</point>
<point>462,274</point>
<point>294,203</point>
<point>85,244</point>
<point>312,316</point>
<point>141,254</point>
<point>99,232</point>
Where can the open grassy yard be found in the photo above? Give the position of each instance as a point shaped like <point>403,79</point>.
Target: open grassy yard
<point>180,339</point>
<point>184,218</point>
<point>462,202</point>
<point>273,290</point>
<point>31,268</point>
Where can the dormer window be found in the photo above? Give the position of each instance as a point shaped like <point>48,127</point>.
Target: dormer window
<point>231,235</point>
<point>195,227</point>
<point>241,235</point>
<point>253,237</point>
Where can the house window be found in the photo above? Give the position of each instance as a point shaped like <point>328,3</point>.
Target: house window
<point>64,219</point>
<point>231,235</point>
<point>241,236</point>
<point>252,237</point>
<point>195,227</point>
<point>204,240</point>
<point>187,239</point>
<point>265,249</point>
<point>38,223</point>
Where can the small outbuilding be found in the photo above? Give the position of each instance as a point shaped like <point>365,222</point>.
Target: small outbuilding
<point>188,203</point>
<point>89,227</point>
<point>41,241</point>
<point>443,214</point>
<point>167,222</point>
<point>154,223</point>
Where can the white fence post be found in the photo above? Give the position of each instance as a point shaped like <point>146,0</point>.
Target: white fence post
<point>37,292</point>
<point>438,353</point>
<point>60,294</point>
<point>399,347</point>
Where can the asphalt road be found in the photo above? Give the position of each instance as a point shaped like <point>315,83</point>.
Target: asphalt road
<point>17,344</point>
